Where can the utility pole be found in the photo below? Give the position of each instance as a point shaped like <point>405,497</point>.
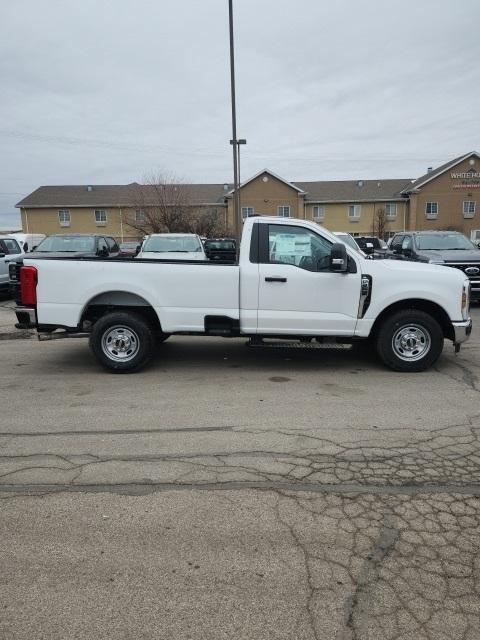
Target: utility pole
<point>236,201</point>
<point>234,141</point>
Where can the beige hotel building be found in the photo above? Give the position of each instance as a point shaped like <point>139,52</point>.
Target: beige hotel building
<point>444,198</point>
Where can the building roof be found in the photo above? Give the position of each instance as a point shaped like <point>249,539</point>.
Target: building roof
<point>430,175</point>
<point>128,194</point>
<point>115,195</point>
<point>353,190</point>
<point>270,173</point>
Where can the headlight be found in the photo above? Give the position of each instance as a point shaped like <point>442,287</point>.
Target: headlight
<point>12,271</point>
<point>465,299</point>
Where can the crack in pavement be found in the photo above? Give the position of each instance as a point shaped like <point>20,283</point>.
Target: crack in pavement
<point>390,566</point>
<point>111,432</point>
<point>469,378</point>
<point>436,458</point>
<point>357,605</point>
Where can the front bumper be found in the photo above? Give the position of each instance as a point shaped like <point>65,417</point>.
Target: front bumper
<point>462,331</point>
<point>27,318</point>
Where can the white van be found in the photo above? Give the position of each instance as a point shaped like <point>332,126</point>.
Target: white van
<point>28,241</point>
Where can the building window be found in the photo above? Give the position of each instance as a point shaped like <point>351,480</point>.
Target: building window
<point>100,217</point>
<point>391,209</point>
<point>140,216</point>
<point>468,208</point>
<point>318,212</point>
<point>247,212</point>
<point>64,217</point>
<point>284,211</point>
<point>431,209</point>
<point>354,211</point>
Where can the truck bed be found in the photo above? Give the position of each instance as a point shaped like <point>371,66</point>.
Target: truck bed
<point>167,286</point>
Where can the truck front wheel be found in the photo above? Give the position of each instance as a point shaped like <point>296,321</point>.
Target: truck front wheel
<point>409,340</point>
<point>122,342</point>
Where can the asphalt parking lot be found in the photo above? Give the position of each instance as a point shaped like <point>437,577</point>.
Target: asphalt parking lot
<point>228,492</point>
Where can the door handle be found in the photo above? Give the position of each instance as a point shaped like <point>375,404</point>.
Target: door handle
<point>270,279</point>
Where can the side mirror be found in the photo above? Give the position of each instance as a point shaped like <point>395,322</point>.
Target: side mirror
<point>478,244</point>
<point>138,249</point>
<point>102,253</point>
<point>2,255</point>
<point>33,248</point>
<point>397,248</point>
<point>339,258</point>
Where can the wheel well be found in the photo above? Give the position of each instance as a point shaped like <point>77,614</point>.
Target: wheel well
<point>427,306</point>
<point>119,301</point>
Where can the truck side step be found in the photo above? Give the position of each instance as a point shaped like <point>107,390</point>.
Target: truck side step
<point>44,337</point>
<point>265,343</point>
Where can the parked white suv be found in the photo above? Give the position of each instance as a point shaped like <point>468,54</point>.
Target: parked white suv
<point>173,246</point>
<point>9,248</point>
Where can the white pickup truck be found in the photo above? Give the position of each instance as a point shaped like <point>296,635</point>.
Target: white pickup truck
<point>293,281</point>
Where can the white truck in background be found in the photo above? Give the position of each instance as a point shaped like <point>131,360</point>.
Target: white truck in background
<point>28,241</point>
<point>293,281</point>
<point>172,246</point>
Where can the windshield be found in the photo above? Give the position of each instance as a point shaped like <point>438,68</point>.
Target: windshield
<point>347,239</point>
<point>443,242</point>
<point>84,244</point>
<point>377,243</point>
<point>226,245</point>
<point>159,244</point>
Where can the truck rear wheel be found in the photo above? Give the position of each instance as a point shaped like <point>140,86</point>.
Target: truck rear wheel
<point>122,342</point>
<point>409,340</point>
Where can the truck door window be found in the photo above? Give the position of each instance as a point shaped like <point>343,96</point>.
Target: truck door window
<point>112,245</point>
<point>11,246</point>
<point>298,246</point>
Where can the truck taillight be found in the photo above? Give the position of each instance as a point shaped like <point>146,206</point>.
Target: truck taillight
<point>28,286</point>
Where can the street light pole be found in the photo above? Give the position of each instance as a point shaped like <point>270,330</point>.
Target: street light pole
<point>239,142</point>
<point>234,142</point>
<point>237,201</point>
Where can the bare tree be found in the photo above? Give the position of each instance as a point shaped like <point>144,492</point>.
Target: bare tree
<point>161,205</point>
<point>207,222</point>
<point>379,223</point>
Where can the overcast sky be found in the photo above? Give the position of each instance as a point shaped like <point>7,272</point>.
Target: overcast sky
<point>105,91</point>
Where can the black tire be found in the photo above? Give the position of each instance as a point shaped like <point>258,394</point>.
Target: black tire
<point>409,340</point>
<point>136,349</point>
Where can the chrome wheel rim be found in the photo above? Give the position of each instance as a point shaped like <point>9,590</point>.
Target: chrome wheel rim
<point>411,342</point>
<point>120,344</point>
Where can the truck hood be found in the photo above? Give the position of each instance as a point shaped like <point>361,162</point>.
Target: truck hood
<point>460,255</point>
<point>410,267</point>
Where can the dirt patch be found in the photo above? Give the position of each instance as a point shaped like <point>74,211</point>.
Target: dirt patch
<point>17,335</point>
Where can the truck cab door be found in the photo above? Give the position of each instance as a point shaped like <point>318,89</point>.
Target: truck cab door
<point>297,291</point>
